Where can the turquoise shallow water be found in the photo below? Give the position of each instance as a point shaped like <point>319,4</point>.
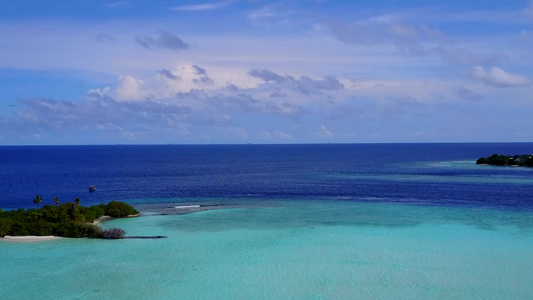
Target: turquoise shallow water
<point>287,250</point>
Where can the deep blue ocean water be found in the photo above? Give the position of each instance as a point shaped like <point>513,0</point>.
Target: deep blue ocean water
<point>362,221</point>
<point>430,174</point>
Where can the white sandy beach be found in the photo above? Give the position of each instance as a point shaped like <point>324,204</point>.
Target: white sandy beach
<point>105,218</point>
<point>101,219</point>
<point>29,238</point>
<point>34,238</point>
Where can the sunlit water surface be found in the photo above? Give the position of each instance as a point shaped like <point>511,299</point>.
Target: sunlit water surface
<point>287,250</point>
<point>390,221</point>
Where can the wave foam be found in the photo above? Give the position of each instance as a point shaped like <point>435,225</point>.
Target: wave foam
<point>186,206</point>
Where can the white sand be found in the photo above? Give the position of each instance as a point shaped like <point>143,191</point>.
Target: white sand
<point>101,219</point>
<point>29,238</point>
<point>105,218</point>
<point>34,238</point>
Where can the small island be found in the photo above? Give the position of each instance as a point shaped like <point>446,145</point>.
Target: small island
<point>64,220</point>
<point>525,160</point>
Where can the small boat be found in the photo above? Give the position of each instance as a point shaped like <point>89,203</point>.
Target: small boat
<point>92,188</point>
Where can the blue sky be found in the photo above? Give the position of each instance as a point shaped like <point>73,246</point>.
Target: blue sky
<point>144,72</point>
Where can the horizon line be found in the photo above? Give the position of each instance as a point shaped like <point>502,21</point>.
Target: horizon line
<point>258,144</point>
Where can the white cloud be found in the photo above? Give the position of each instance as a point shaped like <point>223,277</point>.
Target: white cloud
<point>193,76</point>
<point>324,132</point>
<point>201,7</point>
<point>499,78</point>
<point>193,85</point>
<point>265,12</point>
<point>113,128</point>
<point>409,40</point>
<point>162,84</point>
<point>383,69</point>
<point>98,93</point>
<point>282,135</point>
<point>265,134</point>
<point>130,88</point>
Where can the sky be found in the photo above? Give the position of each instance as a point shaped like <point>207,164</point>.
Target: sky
<point>232,72</point>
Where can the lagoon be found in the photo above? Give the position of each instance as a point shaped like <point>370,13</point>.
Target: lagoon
<point>312,250</point>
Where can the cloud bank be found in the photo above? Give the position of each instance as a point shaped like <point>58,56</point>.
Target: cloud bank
<point>304,84</point>
<point>500,78</point>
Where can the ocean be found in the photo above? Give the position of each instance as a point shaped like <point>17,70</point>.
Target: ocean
<point>324,221</point>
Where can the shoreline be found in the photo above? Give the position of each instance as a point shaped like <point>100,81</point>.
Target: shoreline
<point>100,220</point>
<point>36,238</point>
<point>107,218</point>
<point>517,166</point>
<point>30,238</point>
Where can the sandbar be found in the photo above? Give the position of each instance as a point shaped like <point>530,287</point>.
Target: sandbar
<point>105,218</point>
<point>29,238</point>
<point>101,219</point>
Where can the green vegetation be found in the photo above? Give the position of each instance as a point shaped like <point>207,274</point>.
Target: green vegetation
<point>507,160</point>
<point>65,220</point>
<point>38,200</point>
<point>117,209</point>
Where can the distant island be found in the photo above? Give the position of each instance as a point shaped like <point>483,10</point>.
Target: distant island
<point>525,160</point>
<point>64,220</point>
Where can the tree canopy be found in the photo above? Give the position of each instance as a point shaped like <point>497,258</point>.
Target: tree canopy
<point>38,200</point>
<point>65,220</point>
<point>525,160</point>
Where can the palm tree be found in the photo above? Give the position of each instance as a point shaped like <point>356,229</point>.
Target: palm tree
<point>38,200</point>
<point>56,201</point>
<point>77,201</point>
